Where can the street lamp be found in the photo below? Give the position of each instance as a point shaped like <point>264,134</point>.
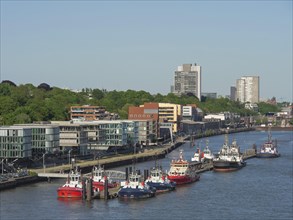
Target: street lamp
<point>2,165</point>
<point>69,156</point>
<point>44,154</point>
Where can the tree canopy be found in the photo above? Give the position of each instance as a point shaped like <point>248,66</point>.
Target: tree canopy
<point>27,103</point>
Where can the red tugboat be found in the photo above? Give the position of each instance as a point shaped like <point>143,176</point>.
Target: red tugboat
<point>99,179</point>
<point>183,171</point>
<point>73,186</point>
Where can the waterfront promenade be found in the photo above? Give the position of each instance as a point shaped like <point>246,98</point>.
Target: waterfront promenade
<point>156,152</point>
<point>117,160</point>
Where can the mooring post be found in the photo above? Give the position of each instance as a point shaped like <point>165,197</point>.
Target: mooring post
<point>83,188</point>
<point>144,175</point>
<point>106,188</point>
<point>89,190</point>
<point>126,173</point>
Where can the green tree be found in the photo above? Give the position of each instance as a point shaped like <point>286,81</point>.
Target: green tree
<point>22,118</point>
<point>7,105</point>
<point>97,94</point>
<point>266,107</point>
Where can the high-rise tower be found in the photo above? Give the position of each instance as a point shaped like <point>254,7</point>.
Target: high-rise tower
<point>187,80</point>
<point>247,89</point>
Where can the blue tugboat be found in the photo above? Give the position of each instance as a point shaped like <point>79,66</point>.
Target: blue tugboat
<point>159,181</point>
<point>268,149</point>
<point>135,188</point>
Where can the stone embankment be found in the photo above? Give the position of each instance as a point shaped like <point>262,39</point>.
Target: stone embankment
<point>14,182</point>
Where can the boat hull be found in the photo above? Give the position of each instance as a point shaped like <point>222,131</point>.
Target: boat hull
<point>227,166</point>
<point>180,180</point>
<point>267,155</point>
<point>132,193</point>
<point>101,185</point>
<point>69,192</point>
<point>162,187</point>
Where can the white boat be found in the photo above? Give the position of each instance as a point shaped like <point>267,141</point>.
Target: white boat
<point>98,176</point>
<point>268,149</point>
<point>203,156</point>
<point>229,158</point>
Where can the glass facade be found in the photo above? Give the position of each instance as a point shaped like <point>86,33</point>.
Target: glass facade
<point>15,142</point>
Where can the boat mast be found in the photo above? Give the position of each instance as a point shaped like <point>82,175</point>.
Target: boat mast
<point>269,134</point>
<point>207,143</point>
<point>226,139</point>
<point>134,160</point>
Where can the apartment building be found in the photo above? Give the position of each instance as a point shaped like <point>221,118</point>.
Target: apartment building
<point>157,113</point>
<point>171,113</point>
<point>87,113</point>
<point>247,89</point>
<point>187,80</point>
<point>73,136</point>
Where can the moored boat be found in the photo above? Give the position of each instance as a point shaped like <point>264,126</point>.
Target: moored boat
<point>269,149</point>
<point>135,188</point>
<point>183,171</point>
<point>207,153</point>
<point>98,176</point>
<point>198,156</point>
<point>229,158</point>
<point>73,186</point>
<point>203,156</point>
<point>159,180</point>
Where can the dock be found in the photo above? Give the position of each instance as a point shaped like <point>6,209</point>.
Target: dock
<point>112,193</point>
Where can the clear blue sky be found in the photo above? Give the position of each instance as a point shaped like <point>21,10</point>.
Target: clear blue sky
<point>139,44</point>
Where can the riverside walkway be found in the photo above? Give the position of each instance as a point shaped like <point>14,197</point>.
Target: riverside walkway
<point>117,160</point>
<point>120,160</point>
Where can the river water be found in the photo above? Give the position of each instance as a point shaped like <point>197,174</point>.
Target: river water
<point>261,190</point>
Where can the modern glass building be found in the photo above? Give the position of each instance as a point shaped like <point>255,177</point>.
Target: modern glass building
<point>97,135</point>
<point>119,133</point>
<point>15,142</point>
<point>45,138</point>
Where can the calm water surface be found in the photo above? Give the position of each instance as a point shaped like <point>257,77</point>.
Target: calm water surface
<point>261,190</point>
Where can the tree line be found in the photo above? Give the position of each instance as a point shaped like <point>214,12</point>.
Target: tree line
<point>27,103</point>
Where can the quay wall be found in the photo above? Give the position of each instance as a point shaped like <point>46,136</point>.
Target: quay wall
<point>118,160</point>
<point>14,182</point>
<point>219,132</point>
<point>274,128</point>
